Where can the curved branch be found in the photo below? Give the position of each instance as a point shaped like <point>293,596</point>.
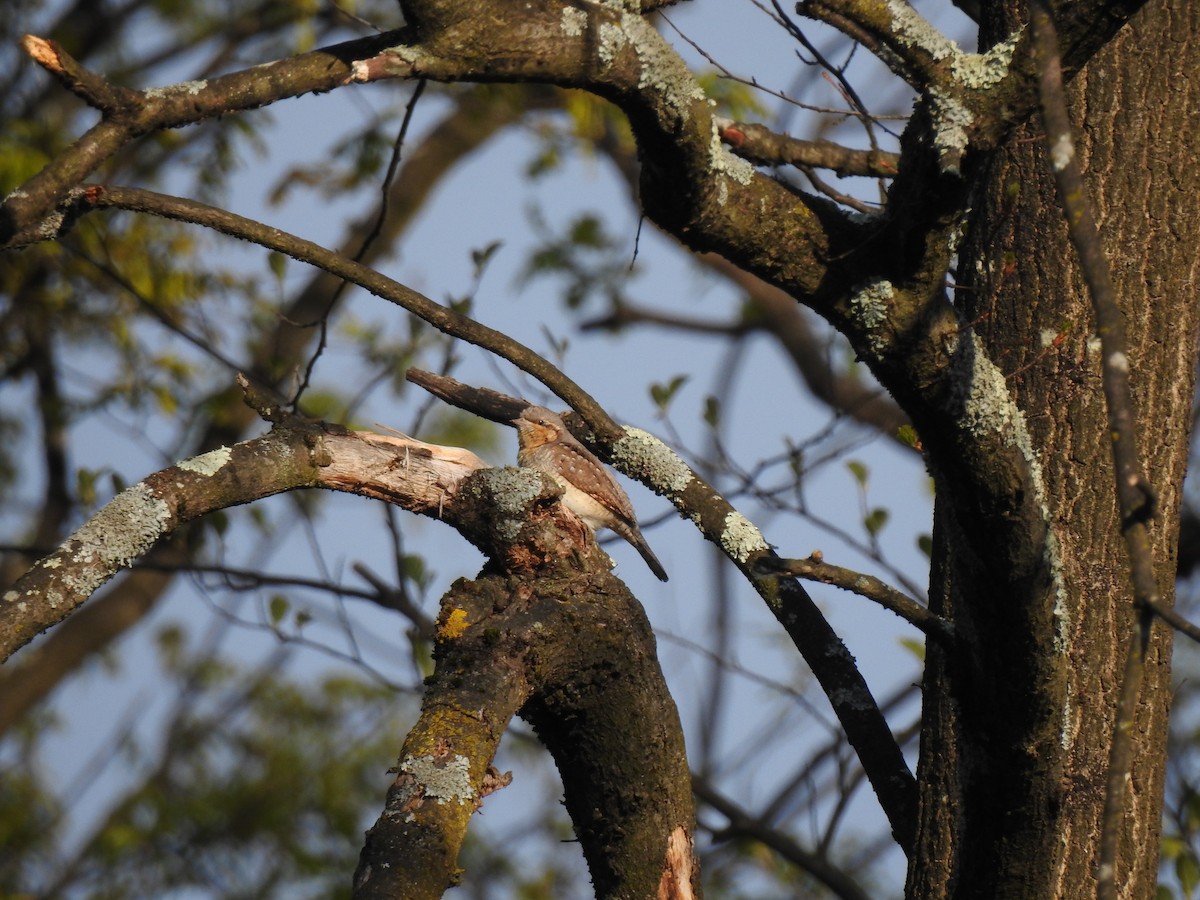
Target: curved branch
<point>422,478</point>
<point>674,124</point>
<point>744,824</point>
<point>645,458</point>
<point>815,569</point>
<point>27,214</point>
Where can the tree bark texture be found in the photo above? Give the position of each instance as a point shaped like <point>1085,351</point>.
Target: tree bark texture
<point>574,653</point>
<point>1014,752</point>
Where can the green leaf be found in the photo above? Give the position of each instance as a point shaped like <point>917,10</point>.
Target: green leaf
<point>875,520</point>
<point>588,231</point>
<point>1187,870</point>
<point>925,545</point>
<point>712,411</point>
<point>218,521</point>
<point>278,263</point>
<point>860,471</point>
<point>908,435</point>
<point>85,486</point>
<point>662,394</point>
<point>413,569</point>
<point>480,258</point>
<point>277,608</point>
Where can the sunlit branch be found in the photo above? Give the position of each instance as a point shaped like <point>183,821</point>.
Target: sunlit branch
<point>760,145</point>
<point>865,727</point>
<point>909,46</point>
<point>1135,494</point>
<point>27,214</point>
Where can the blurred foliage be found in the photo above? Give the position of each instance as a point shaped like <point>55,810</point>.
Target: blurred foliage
<point>582,256</point>
<point>261,780</point>
<point>262,786</point>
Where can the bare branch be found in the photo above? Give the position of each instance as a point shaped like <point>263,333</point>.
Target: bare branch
<point>895,32</point>
<point>745,824</point>
<point>86,85</point>
<point>27,214</point>
<point>1135,495</point>
<point>644,457</point>
<point>760,145</point>
<point>816,569</point>
<point>422,478</point>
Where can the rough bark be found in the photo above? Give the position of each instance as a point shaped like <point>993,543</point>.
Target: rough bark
<point>547,630</point>
<point>1015,754</point>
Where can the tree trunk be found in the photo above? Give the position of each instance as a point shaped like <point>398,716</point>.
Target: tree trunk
<point>1015,753</point>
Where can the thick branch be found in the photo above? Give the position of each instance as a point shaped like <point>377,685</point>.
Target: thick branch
<point>1135,495</point>
<point>644,457</point>
<point>422,478</point>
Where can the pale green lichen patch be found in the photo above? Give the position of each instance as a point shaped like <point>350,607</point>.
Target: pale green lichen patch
<point>12,596</point>
<point>725,163</point>
<point>988,408</point>
<point>951,120</point>
<point>958,231</point>
<point>640,451</point>
<point>740,537</point>
<point>977,71</point>
<point>869,307</point>
<point>512,490</point>
<point>184,87</point>
<point>913,30</point>
<point>612,41</point>
<point>574,21</point>
<point>661,68</point>
<point>443,780</point>
<point>980,71</point>
<point>209,463</point>
<point>121,532</point>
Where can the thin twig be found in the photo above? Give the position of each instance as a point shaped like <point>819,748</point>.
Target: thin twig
<point>376,229</point>
<point>815,569</point>
<point>1135,495</point>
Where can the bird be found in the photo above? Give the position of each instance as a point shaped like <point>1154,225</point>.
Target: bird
<point>589,489</point>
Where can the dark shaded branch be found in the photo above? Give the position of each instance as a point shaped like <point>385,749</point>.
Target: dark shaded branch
<point>815,569</point>
<point>1174,619</point>
<point>440,317</point>
<point>744,824</point>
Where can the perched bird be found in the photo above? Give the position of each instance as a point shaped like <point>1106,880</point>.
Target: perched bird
<point>589,490</point>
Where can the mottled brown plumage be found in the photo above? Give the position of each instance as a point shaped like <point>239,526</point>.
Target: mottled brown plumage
<point>589,489</point>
